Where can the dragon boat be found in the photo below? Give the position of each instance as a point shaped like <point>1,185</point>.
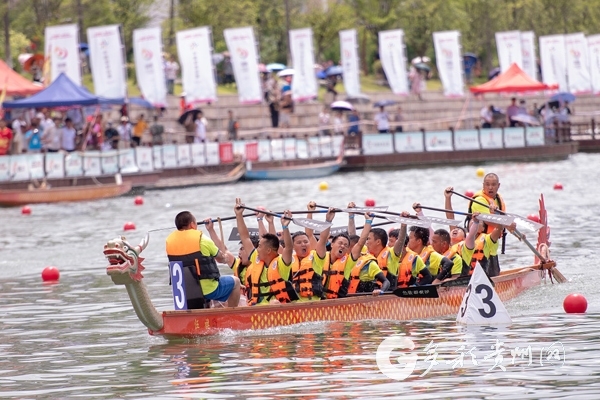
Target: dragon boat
<point>125,268</point>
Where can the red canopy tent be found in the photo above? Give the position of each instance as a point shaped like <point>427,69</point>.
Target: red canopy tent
<point>15,84</point>
<point>513,79</point>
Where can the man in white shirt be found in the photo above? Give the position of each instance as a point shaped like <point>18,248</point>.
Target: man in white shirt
<point>171,70</point>
<point>124,130</point>
<point>17,127</point>
<point>487,116</point>
<point>382,121</point>
<point>200,128</point>
<point>51,138</point>
<point>68,136</point>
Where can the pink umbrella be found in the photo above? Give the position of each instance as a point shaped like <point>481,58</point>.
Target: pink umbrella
<point>262,68</point>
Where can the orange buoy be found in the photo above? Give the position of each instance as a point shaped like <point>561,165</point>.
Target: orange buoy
<point>138,201</point>
<point>469,193</point>
<point>575,303</point>
<point>370,203</point>
<point>534,218</point>
<point>26,210</point>
<point>558,186</point>
<point>50,274</point>
<point>129,226</point>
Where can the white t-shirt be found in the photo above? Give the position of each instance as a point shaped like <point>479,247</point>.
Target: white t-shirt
<point>171,68</point>
<point>382,120</point>
<point>200,131</point>
<point>68,138</point>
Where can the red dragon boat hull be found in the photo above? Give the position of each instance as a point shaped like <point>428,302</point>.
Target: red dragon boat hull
<point>194,323</point>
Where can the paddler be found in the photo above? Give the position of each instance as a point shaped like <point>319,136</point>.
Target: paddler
<point>481,247</point>
<point>200,254</point>
<point>238,264</point>
<point>268,276</point>
<point>388,257</point>
<point>412,270</point>
<point>440,242</point>
<point>418,239</point>
<point>367,276</point>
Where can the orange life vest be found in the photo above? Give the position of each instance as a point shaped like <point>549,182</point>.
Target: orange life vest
<point>306,281</point>
<point>382,261</point>
<point>427,250</point>
<point>279,288</point>
<point>456,249</point>
<point>295,264</point>
<point>334,283</point>
<point>358,286</point>
<point>478,254</point>
<point>407,264</point>
<point>499,202</point>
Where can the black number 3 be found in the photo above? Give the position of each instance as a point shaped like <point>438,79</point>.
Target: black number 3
<point>487,300</point>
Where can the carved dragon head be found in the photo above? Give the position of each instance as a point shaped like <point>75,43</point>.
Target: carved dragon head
<point>124,258</point>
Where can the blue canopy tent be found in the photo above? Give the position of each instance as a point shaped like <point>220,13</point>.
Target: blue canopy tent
<point>63,92</point>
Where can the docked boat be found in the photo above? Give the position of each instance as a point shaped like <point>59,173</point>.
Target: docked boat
<point>50,194</point>
<point>125,268</point>
<point>293,169</point>
<point>199,176</point>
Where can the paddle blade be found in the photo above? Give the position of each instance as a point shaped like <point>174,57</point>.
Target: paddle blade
<point>524,223</point>
<point>362,210</point>
<point>504,220</point>
<point>441,221</point>
<point>409,221</point>
<point>317,226</point>
<point>422,292</point>
<point>234,236</point>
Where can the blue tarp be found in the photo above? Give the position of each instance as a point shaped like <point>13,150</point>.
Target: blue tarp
<point>63,92</point>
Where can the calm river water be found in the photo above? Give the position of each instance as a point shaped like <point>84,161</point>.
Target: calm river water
<point>81,338</point>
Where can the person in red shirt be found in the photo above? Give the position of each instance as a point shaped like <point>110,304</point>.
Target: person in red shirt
<point>6,136</point>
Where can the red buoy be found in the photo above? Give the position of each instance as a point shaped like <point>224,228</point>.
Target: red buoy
<point>534,218</point>
<point>129,226</point>
<point>138,201</point>
<point>558,186</point>
<point>50,274</point>
<point>575,303</point>
<point>26,210</point>
<point>469,193</point>
<point>369,203</point>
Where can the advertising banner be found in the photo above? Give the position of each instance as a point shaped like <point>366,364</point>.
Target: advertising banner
<point>553,59</point>
<point>449,62</point>
<point>106,61</point>
<point>304,84</point>
<point>149,68</point>
<point>62,51</point>
<point>242,48</point>
<point>349,57</point>
<point>514,137</point>
<point>578,72</point>
<point>409,142</point>
<point>528,54</point>
<point>378,144</point>
<point>491,138</point>
<point>467,139</point>
<point>194,47</point>
<point>391,54</point>
<point>594,64</point>
<point>55,165</point>
<point>438,141</point>
<point>509,49</point>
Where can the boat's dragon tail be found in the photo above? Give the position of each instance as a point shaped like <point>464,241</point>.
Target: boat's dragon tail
<point>125,268</point>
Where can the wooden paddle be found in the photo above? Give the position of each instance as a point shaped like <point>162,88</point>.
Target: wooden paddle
<point>318,226</point>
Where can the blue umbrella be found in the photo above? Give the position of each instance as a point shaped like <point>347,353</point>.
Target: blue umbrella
<point>563,97</point>
<point>335,70</point>
<point>275,67</point>
<point>321,74</point>
<point>138,101</point>
<point>384,103</point>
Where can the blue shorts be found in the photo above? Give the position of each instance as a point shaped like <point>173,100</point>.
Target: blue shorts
<point>223,291</point>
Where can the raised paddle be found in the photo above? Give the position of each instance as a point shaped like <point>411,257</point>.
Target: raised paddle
<point>318,226</point>
<point>505,220</point>
<point>435,220</point>
<point>356,210</point>
<point>532,225</point>
<point>203,223</point>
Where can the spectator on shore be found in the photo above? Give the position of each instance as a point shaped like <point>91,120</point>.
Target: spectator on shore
<point>416,79</point>
<point>330,93</point>
<point>324,120</point>
<point>76,117</point>
<point>68,136</point>
<point>34,138</point>
<point>338,125</point>
<point>97,132</point>
<point>232,126</point>
<point>227,71</point>
<point>522,107</point>
<point>6,138</point>
<point>287,105</point>
<point>200,128</point>
<point>511,111</point>
<point>124,130</point>
<point>18,126</point>
<point>52,135</point>
<point>354,119</point>
<point>398,118</point>
<point>157,130</point>
<point>171,71</point>
<point>273,99</point>
<point>111,136</point>
<point>139,129</point>
<point>487,116</point>
<point>382,121</point>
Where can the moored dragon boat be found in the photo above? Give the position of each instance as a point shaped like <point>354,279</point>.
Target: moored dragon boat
<point>125,268</point>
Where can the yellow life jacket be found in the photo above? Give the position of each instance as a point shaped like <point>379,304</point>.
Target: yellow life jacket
<point>499,202</point>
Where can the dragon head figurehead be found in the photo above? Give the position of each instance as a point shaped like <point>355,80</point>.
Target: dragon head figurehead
<point>124,258</point>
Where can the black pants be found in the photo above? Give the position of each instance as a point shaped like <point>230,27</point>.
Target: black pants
<point>274,116</point>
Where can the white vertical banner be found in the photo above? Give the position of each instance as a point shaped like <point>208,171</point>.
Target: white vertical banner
<point>528,54</point>
<point>304,83</point>
<point>577,63</point>
<point>553,59</point>
<point>149,69</point>
<point>242,47</point>
<point>449,62</point>
<point>62,51</point>
<point>349,52</point>
<point>106,61</point>
<point>594,62</point>
<point>509,49</point>
<point>391,54</point>
<point>194,47</point>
